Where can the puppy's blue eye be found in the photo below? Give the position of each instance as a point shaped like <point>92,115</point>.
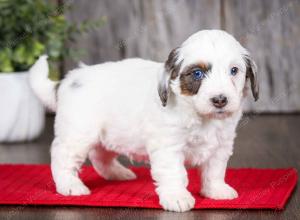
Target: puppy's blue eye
<point>234,71</point>
<point>198,74</point>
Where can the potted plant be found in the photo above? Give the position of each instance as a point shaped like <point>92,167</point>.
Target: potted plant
<point>28,29</point>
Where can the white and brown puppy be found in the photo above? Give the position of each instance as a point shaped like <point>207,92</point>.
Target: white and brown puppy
<point>182,111</point>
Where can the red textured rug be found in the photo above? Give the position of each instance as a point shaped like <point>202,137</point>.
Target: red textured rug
<point>33,185</point>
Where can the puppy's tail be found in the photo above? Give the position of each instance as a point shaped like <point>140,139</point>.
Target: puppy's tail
<point>44,88</point>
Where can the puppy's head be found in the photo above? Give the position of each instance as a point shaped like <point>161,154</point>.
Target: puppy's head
<point>209,71</point>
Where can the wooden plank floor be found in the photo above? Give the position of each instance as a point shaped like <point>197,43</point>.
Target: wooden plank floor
<point>263,141</point>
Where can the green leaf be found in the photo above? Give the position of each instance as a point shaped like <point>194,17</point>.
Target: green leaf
<point>37,48</point>
<point>6,66</point>
<point>5,62</point>
<point>19,55</point>
<point>29,28</point>
<point>30,59</point>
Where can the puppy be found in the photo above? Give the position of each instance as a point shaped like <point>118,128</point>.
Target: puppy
<point>183,111</point>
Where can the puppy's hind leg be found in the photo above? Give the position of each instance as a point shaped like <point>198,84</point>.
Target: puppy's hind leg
<point>66,160</point>
<point>107,166</point>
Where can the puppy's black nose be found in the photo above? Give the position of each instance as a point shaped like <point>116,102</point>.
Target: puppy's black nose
<point>219,101</point>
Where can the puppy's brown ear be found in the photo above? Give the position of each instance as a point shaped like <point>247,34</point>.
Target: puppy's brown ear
<point>164,87</point>
<point>168,73</point>
<point>251,73</point>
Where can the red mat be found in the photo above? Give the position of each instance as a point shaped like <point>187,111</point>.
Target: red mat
<point>33,185</point>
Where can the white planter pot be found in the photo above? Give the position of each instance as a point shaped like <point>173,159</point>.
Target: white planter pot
<point>22,116</point>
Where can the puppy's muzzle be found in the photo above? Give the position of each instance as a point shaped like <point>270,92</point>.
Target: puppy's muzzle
<point>219,101</point>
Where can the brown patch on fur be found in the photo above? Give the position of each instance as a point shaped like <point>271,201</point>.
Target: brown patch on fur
<point>203,66</point>
<point>171,71</point>
<point>163,95</point>
<point>188,85</point>
<point>171,65</point>
<point>251,73</point>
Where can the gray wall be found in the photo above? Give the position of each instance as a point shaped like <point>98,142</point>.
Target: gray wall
<point>151,28</point>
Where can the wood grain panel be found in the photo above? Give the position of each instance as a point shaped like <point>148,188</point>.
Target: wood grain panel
<point>271,32</point>
<point>151,28</point>
<point>147,29</point>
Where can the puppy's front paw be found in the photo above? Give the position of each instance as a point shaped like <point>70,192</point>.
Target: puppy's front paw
<point>72,188</point>
<point>177,201</point>
<point>219,191</point>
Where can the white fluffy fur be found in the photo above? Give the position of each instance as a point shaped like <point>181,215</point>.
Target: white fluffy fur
<point>114,108</point>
